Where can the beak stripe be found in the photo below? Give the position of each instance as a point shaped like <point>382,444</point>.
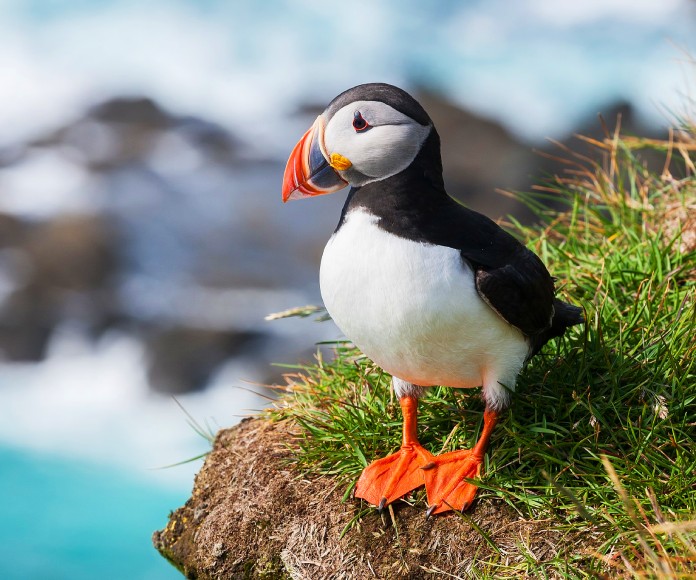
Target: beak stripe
<point>307,172</point>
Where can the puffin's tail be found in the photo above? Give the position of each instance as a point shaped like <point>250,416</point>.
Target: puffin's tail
<point>564,316</point>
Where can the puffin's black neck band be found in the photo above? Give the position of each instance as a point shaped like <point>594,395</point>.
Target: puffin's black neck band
<point>409,195</point>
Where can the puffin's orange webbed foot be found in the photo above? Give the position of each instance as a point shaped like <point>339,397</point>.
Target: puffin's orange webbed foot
<point>392,477</point>
<point>445,481</point>
<point>445,478</point>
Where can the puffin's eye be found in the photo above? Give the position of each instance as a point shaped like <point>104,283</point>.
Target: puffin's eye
<point>359,124</point>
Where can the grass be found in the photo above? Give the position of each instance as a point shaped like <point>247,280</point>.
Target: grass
<point>600,434</point>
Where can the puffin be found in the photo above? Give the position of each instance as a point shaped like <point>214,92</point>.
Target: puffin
<point>431,291</point>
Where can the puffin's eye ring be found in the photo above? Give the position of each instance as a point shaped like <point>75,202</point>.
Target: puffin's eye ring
<point>359,124</point>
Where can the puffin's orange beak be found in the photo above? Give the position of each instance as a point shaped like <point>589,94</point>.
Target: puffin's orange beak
<point>308,172</point>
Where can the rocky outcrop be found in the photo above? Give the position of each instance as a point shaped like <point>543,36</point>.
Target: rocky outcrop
<point>252,515</point>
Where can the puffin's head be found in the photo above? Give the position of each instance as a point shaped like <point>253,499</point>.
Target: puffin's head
<point>368,133</point>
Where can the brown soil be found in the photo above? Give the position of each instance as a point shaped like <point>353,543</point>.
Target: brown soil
<point>252,516</point>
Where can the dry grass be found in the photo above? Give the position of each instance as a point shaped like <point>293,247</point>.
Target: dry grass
<point>592,473</point>
<point>623,388</point>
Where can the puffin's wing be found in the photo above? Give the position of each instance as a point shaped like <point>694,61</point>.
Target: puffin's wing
<point>520,291</point>
<point>511,279</point>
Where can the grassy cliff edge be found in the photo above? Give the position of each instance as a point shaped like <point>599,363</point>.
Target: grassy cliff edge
<point>591,473</point>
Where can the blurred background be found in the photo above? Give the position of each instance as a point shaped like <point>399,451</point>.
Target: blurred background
<point>142,237</point>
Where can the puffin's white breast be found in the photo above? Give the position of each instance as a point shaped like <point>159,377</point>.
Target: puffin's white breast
<point>413,309</point>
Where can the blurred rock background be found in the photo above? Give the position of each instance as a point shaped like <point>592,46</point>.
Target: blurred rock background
<point>169,229</point>
<point>142,237</point>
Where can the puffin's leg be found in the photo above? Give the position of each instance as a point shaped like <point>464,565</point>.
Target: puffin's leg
<point>388,479</point>
<point>445,476</point>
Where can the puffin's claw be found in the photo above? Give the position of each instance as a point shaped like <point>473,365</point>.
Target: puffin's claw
<point>381,505</point>
<point>430,510</point>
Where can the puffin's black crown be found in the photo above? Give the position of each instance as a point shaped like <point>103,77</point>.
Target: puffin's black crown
<point>388,94</point>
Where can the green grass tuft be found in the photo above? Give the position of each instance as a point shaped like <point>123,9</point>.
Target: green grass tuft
<point>623,387</point>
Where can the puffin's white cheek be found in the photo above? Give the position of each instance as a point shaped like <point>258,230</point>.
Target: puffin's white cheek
<point>387,153</point>
<point>385,150</point>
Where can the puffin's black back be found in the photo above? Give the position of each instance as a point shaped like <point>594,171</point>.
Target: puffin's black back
<point>413,204</point>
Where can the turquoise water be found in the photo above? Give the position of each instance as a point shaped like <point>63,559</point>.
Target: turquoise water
<point>66,519</point>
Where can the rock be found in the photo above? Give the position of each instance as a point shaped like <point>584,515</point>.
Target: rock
<point>251,515</point>
<point>72,254</point>
<point>183,359</point>
<point>57,270</point>
<point>26,325</point>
